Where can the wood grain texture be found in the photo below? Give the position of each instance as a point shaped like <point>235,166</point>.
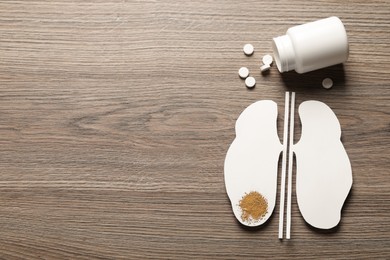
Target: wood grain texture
<point>115,118</point>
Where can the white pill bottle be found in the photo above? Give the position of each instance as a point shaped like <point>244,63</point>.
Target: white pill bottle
<point>311,46</point>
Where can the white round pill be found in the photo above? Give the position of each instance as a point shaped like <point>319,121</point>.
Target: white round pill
<point>264,67</point>
<point>267,59</point>
<point>243,72</point>
<point>248,49</point>
<point>327,83</point>
<point>250,82</point>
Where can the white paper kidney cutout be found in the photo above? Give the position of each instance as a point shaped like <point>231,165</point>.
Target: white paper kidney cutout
<point>251,163</point>
<point>324,174</point>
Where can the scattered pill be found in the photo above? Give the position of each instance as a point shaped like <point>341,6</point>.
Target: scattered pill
<point>327,83</point>
<point>250,82</point>
<point>248,49</point>
<point>265,67</point>
<point>243,72</point>
<point>267,60</point>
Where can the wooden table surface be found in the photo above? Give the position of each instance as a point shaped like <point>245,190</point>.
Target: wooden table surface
<point>116,116</point>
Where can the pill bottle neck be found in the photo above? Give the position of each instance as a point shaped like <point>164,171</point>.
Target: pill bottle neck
<point>284,53</point>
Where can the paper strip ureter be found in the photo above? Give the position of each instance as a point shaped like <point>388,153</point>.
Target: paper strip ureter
<point>290,166</point>
<point>284,159</point>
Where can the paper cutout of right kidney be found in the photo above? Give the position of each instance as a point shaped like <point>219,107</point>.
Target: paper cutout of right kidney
<point>324,174</point>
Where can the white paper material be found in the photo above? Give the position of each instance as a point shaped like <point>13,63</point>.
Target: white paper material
<point>251,162</point>
<point>324,174</point>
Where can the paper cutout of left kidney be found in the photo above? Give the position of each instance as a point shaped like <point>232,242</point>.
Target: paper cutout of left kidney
<point>251,163</point>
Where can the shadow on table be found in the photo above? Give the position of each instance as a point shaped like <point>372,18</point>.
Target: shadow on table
<point>312,81</point>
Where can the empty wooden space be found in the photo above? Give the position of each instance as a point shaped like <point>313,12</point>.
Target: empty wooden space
<point>116,116</point>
